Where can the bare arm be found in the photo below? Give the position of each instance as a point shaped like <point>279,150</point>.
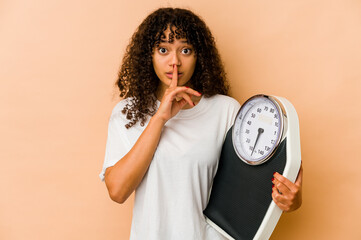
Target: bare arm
<point>124,177</point>
<point>127,173</point>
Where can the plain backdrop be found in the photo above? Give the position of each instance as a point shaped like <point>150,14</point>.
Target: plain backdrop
<point>58,65</point>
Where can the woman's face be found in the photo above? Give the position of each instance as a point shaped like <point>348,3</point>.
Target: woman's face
<point>178,52</point>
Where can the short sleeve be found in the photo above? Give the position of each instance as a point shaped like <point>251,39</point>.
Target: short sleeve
<point>117,143</point>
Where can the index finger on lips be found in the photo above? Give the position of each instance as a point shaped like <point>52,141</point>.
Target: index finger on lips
<point>174,81</point>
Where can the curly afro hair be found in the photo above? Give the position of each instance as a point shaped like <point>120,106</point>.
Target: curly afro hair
<point>137,79</point>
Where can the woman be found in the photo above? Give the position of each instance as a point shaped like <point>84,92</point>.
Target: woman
<point>165,136</point>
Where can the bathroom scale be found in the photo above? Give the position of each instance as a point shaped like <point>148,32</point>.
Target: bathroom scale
<point>264,139</point>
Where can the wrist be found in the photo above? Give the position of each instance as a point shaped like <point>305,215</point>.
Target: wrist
<point>158,119</point>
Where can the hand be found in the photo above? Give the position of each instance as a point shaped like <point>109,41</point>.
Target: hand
<point>170,106</point>
<point>287,195</point>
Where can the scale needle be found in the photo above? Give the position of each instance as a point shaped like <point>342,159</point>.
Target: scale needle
<point>260,130</point>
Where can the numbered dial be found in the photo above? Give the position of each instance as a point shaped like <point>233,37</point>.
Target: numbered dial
<point>258,129</point>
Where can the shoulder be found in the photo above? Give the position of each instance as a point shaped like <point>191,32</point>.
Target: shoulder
<point>117,115</point>
<point>226,106</point>
<point>118,108</point>
<point>120,118</point>
<point>224,101</point>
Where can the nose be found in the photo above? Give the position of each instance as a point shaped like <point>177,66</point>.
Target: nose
<point>174,59</point>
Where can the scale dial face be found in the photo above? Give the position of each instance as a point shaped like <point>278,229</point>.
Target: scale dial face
<point>258,129</point>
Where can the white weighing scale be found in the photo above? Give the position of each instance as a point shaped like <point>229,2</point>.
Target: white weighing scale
<point>264,139</point>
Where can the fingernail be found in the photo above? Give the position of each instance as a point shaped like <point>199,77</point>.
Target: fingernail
<point>274,173</point>
<point>272,179</point>
<point>273,185</point>
<point>186,86</point>
<point>193,104</point>
<point>199,93</point>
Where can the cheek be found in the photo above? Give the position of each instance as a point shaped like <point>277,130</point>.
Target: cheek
<point>193,65</point>
<point>155,65</point>
<point>158,62</point>
<point>159,68</point>
<point>194,61</point>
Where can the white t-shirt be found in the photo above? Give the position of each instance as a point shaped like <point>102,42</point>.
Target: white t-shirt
<point>170,200</point>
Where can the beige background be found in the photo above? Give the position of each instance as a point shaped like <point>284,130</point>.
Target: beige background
<point>58,64</point>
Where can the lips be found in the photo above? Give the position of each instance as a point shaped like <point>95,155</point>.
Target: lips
<point>170,74</point>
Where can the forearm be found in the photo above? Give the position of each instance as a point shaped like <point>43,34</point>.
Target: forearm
<point>124,177</point>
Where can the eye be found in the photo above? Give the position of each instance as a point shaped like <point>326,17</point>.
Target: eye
<point>187,51</point>
<point>162,50</point>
